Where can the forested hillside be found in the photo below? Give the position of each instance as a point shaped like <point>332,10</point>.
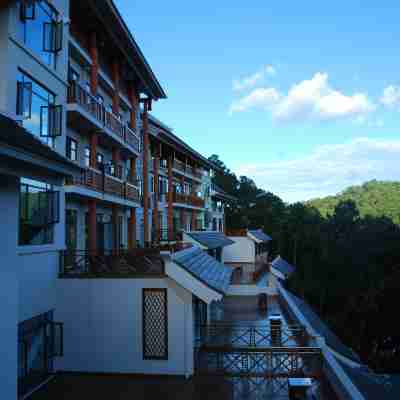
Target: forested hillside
<point>347,258</point>
<point>373,198</point>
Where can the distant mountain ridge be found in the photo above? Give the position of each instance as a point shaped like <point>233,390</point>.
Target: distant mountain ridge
<point>375,198</point>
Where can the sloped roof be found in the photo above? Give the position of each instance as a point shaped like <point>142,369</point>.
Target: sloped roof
<point>283,266</point>
<point>323,329</point>
<point>12,134</point>
<point>205,268</point>
<point>260,235</point>
<point>210,239</point>
<point>371,385</point>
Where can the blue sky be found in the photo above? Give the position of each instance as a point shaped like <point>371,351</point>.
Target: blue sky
<point>303,97</point>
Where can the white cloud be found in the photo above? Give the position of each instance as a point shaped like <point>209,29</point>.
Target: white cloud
<point>311,99</point>
<point>258,98</point>
<point>391,96</point>
<point>328,169</point>
<point>250,81</point>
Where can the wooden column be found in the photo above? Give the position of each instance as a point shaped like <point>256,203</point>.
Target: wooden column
<point>93,150</point>
<point>115,78</point>
<point>146,170</point>
<point>194,220</point>
<point>92,228</point>
<point>132,229</point>
<point>156,164</point>
<point>182,211</point>
<point>134,100</point>
<point>170,201</point>
<point>94,69</point>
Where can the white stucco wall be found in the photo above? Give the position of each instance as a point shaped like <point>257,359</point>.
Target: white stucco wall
<point>103,326</point>
<point>243,250</point>
<point>9,189</point>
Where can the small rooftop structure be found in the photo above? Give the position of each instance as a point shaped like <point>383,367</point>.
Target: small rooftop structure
<point>258,236</point>
<point>210,239</point>
<point>204,268</point>
<point>281,268</point>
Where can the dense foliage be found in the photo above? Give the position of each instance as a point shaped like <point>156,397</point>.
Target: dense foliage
<point>373,198</point>
<point>347,257</point>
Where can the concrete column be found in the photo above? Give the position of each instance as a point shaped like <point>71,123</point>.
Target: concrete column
<point>170,200</point>
<point>115,78</point>
<point>92,226</point>
<point>94,69</point>
<point>132,229</point>
<point>93,150</point>
<point>146,170</point>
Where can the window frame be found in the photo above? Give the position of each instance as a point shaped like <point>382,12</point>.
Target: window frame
<point>70,150</point>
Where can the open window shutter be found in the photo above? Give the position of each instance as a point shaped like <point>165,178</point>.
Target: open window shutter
<point>27,10</point>
<point>52,36</point>
<point>24,99</point>
<point>51,121</point>
<point>58,36</point>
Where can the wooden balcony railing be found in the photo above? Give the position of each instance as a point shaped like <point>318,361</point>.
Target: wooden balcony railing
<point>132,138</point>
<point>113,185</point>
<point>102,182</point>
<point>180,166</point>
<point>114,124</point>
<point>190,200</point>
<point>132,192</point>
<point>135,262</point>
<point>77,94</point>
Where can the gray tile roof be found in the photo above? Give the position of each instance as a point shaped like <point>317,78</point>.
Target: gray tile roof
<point>211,240</point>
<point>283,266</point>
<point>322,329</point>
<point>371,385</point>
<point>260,235</point>
<point>204,268</point>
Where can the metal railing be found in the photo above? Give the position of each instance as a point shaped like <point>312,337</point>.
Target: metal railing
<point>226,335</point>
<point>81,263</point>
<point>81,96</point>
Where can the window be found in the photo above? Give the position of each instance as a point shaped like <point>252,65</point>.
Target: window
<point>72,149</point>
<point>73,75</point>
<point>100,161</point>
<point>39,211</point>
<point>37,107</point>
<point>42,31</point>
<point>155,324</point>
<point>100,98</point>
<point>87,156</point>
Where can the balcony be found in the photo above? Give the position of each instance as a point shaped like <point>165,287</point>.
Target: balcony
<point>188,199</point>
<point>105,183</point>
<point>111,263</point>
<point>187,169</point>
<point>96,116</point>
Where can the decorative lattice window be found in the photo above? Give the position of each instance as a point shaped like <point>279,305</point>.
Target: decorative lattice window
<point>155,324</point>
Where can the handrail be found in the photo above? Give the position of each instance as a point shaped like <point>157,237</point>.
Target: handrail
<point>80,95</point>
<point>81,263</point>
